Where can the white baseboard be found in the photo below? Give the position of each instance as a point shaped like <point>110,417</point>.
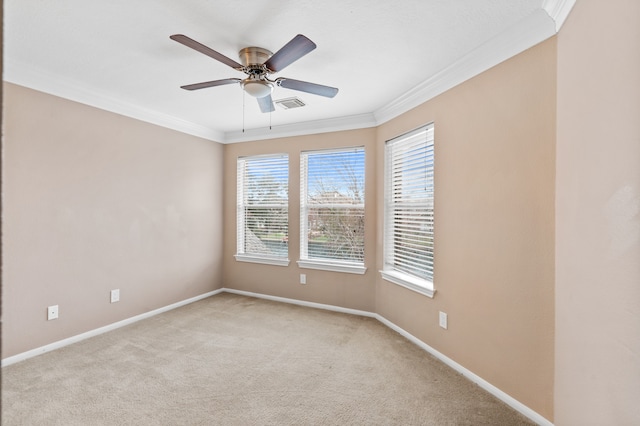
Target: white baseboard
<point>510,401</point>
<point>301,303</point>
<point>502,396</point>
<point>77,338</point>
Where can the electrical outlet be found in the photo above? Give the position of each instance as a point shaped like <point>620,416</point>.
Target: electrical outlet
<point>52,312</point>
<point>303,278</point>
<point>443,320</point>
<point>115,295</point>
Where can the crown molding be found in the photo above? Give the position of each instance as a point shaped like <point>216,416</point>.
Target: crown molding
<point>530,31</point>
<point>535,28</point>
<point>558,10</point>
<point>337,124</point>
<point>19,73</point>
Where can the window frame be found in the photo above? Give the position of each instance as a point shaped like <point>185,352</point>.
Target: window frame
<point>335,265</point>
<point>390,271</point>
<point>241,205</point>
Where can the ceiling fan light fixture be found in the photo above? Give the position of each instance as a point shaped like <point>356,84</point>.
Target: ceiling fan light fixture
<point>257,88</point>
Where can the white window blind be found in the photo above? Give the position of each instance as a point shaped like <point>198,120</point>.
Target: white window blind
<point>409,221</point>
<point>332,207</point>
<point>263,208</point>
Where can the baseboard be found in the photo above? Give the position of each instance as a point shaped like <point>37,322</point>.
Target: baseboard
<point>510,401</point>
<point>301,303</point>
<point>502,396</point>
<point>77,338</point>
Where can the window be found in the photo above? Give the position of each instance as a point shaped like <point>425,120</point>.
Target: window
<point>408,223</point>
<point>332,210</point>
<point>263,186</point>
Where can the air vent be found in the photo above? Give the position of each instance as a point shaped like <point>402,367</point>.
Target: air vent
<point>290,103</point>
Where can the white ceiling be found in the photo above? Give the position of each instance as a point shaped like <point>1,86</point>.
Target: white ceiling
<point>385,57</point>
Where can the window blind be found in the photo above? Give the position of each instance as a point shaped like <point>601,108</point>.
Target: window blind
<point>262,222</point>
<point>409,205</point>
<point>332,205</point>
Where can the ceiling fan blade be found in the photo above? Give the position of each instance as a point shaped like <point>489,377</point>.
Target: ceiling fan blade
<point>289,53</point>
<point>213,83</point>
<point>180,38</point>
<point>266,104</point>
<point>303,86</point>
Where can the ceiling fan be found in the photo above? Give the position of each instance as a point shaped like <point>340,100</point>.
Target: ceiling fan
<point>258,64</point>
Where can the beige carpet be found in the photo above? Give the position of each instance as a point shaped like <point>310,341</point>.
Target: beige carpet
<point>235,360</point>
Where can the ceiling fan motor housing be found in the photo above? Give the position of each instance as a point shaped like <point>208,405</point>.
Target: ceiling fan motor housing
<point>254,56</point>
<point>253,59</point>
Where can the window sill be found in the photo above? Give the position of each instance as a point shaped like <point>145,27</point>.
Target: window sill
<point>349,268</point>
<point>263,260</point>
<point>416,284</point>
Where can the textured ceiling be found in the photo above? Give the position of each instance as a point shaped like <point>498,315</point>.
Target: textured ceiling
<point>117,54</point>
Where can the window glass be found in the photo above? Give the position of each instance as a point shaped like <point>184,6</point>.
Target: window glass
<point>332,205</point>
<point>263,206</point>
<point>409,209</point>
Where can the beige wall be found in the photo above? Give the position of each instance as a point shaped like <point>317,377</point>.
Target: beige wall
<point>495,154</point>
<point>494,238</point>
<point>95,201</point>
<point>597,378</point>
<point>347,290</point>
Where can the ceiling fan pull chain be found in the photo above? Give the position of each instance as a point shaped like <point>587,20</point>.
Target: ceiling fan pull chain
<point>243,111</point>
